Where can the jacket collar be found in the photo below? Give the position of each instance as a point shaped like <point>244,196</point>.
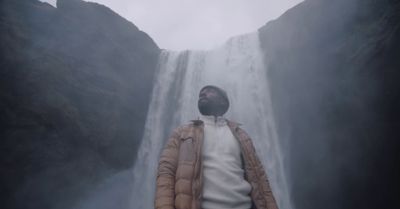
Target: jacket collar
<point>232,124</point>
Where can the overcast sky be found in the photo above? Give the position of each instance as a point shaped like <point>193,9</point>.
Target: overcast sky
<point>196,24</point>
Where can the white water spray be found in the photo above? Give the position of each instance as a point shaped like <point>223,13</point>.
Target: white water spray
<point>237,67</point>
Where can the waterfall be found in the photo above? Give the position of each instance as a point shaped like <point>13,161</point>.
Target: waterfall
<point>237,67</point>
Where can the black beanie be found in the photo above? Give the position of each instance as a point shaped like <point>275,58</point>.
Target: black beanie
<point>220,91</point>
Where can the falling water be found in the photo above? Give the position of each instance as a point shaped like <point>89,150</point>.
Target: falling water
<point>237,67</point>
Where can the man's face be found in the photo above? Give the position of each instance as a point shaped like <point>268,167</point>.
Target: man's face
<point>211,102</point>
<point>208,94</point>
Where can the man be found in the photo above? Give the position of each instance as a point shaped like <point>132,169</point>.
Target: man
<point>211,163</point>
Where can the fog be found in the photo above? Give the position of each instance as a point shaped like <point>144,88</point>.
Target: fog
<point>189,24</point>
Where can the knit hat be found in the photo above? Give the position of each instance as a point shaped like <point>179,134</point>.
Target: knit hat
<point>220,91</point>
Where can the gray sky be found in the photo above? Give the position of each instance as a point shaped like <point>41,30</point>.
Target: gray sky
<point>196,24</point>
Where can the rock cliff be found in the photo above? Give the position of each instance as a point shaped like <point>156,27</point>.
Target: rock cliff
<point>75,87</point>
<point>334,71</point>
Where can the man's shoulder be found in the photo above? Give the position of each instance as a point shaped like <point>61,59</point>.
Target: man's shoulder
<point>187,127</point>
<point>182,127</point>
<point>233,123</point>
<point>190,124</point>
<point>238,128</point>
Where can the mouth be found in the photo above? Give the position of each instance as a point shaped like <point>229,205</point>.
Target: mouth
<point>203,99</point>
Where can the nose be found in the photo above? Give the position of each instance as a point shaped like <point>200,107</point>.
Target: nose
<point>202,94</point>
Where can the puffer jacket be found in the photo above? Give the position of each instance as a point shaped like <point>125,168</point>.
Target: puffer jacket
<point>179,177</point>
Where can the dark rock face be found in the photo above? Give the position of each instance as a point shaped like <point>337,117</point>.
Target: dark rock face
<point>75,87</point>
<point>334,71</point>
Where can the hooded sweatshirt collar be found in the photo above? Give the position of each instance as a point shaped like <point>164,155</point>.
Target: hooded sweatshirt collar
<point>213,120</point>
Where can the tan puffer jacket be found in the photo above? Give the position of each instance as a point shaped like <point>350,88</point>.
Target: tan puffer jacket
<point>179,179</point>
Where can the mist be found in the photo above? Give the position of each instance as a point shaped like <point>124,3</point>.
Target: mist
<point>79,80</point>
<point>180,25</point>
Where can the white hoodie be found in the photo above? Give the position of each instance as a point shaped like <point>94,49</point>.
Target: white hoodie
<point>224,186</point>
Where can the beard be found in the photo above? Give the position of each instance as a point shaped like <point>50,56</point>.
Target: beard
<point>211,107</point>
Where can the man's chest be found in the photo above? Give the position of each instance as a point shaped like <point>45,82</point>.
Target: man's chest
<point>220,144</point>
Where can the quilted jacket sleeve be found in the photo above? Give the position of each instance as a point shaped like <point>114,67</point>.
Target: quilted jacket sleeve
<point>165,190</point>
